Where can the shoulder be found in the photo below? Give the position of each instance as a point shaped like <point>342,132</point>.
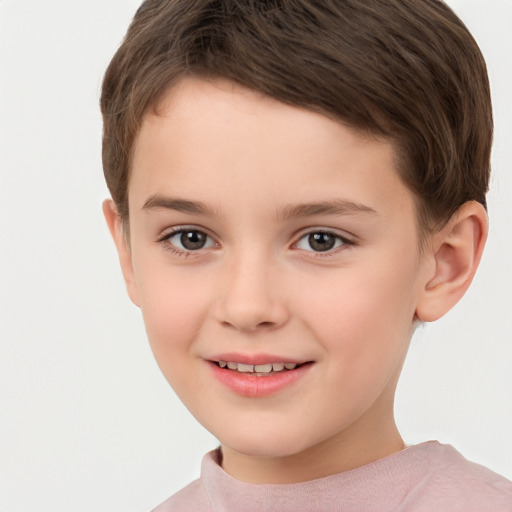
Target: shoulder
<point>192,498</point>
<point>461,485</point>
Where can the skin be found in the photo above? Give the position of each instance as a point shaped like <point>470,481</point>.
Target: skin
<point>258,286</point>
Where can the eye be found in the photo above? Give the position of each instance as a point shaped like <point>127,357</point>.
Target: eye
<point>321,241</point>
<point>188,240</point>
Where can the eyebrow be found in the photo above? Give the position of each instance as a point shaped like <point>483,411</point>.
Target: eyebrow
<point>156,202</point>
<point>334,207</point>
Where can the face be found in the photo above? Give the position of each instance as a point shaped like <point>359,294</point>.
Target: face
<point>263,235</point>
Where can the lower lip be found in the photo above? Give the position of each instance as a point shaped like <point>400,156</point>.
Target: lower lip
<point>252,385</point>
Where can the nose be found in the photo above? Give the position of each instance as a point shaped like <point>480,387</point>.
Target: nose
<point>252,297</point>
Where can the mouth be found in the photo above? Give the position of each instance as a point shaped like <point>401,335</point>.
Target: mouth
<point>259,370</point>
<point>258,380</point>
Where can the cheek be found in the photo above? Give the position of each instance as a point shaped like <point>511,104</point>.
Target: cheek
<point>364,316</point>
<point>173,305</point>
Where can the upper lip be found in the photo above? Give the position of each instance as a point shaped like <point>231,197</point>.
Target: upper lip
<point>255,359</point>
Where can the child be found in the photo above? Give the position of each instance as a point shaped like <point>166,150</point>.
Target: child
<point>296,186</point>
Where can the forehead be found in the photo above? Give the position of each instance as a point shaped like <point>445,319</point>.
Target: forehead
<point>217,141</point>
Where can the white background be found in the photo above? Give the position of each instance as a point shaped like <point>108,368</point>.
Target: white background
<point>87,422</point>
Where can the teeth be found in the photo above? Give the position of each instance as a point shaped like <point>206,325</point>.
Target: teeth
<point>263,368</point>
<point>258,368</point>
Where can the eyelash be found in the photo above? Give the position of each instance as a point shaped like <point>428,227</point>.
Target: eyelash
<point>165,240</point>
<point>343,241</point>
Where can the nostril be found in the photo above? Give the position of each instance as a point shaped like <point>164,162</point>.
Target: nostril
<point>256,326</point>
<point>250,314</point>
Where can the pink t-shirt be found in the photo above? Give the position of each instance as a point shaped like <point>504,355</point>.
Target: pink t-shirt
<point>428,477</point>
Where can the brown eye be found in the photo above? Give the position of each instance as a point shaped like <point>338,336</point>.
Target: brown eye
<point>188,240</point>
<point>193,240</point>
<point>321,241</point>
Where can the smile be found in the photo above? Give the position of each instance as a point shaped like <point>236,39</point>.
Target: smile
<point>259,370</point>
<point>259,380</point>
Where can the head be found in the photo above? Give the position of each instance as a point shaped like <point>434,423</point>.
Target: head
<point>301,181</point>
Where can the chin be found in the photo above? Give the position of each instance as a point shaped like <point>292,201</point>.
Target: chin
<point>265,443</point>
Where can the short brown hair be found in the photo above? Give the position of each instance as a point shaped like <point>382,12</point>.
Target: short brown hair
<point>407,70</point>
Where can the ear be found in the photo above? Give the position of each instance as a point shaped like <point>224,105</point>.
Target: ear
<point>456,251</point>
<point>115,226</point>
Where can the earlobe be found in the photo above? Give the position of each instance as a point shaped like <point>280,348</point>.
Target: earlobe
<point>115,227</point>
<point>456,250</point>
